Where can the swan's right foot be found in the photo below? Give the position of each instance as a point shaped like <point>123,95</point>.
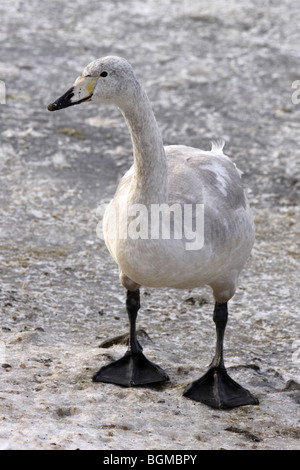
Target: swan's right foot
<point>131,370</point>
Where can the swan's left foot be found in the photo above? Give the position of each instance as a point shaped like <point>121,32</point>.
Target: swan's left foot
<point>133,368</point>
<point>218,390</point>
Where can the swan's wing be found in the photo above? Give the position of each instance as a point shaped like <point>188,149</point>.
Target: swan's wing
<point>211,179</point>
<point>207,177</point>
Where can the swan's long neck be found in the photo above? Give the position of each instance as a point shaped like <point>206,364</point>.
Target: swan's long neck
<point>150,179</point>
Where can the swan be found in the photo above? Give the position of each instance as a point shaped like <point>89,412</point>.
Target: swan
<point>173,178</point>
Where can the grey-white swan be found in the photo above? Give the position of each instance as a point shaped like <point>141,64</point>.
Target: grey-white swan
<point>197,198</point>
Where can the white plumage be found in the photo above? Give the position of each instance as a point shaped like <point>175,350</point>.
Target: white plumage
<point>178,176</point>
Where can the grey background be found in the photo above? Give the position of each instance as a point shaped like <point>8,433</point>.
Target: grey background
<point>212,69</point>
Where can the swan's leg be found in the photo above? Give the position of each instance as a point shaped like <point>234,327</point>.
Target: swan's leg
<point>133,368</point>
<point>216,388</point>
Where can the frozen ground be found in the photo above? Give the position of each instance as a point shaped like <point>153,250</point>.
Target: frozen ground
<point>211,69</point>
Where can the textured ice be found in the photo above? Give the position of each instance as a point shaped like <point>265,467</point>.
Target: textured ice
<point>212,70</point>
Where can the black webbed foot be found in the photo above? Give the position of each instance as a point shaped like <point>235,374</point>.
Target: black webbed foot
<point>133,368</point>
<point>218,390</point>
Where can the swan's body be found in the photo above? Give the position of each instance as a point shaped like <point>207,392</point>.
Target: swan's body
<point>194,177</point>
<point>170,175</point>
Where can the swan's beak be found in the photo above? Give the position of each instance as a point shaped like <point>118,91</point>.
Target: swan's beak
<point>82,90</point>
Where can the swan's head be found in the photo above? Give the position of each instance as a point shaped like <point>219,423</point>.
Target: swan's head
<point>106,80</point>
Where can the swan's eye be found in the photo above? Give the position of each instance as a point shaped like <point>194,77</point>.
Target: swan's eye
<point>103,74</point>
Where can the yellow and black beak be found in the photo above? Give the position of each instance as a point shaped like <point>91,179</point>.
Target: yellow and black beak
<point>81,91</point>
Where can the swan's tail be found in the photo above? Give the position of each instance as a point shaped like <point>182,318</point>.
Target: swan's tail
<point>217,145</point>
